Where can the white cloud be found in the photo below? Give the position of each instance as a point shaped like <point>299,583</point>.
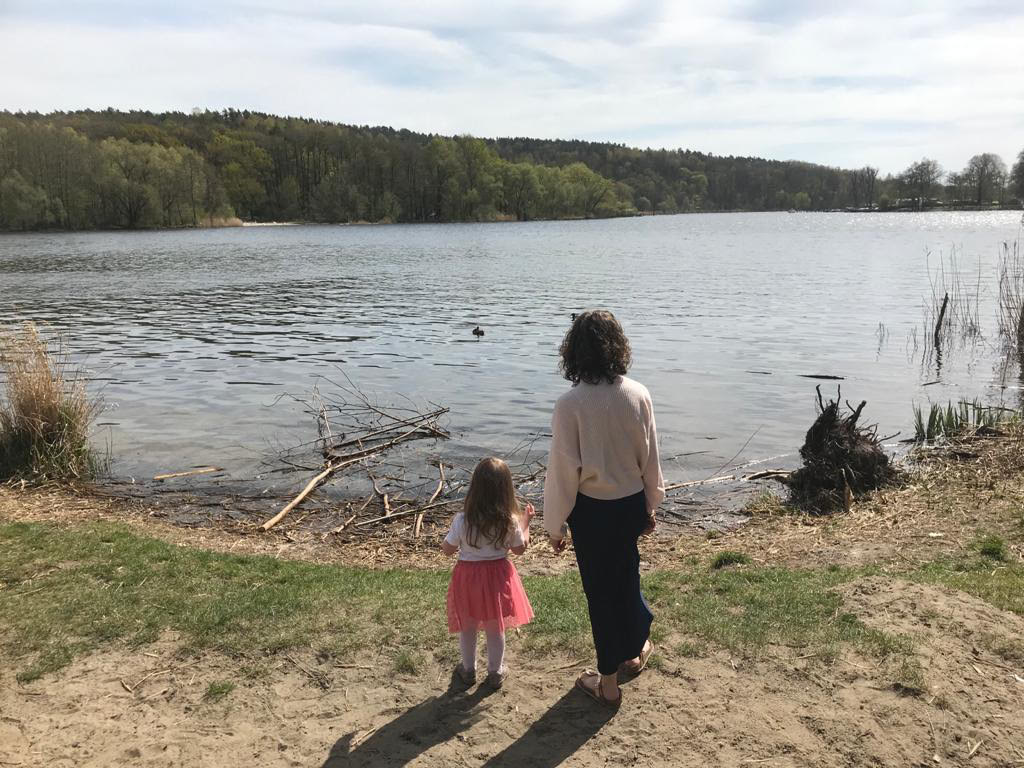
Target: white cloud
<point>880,83</point>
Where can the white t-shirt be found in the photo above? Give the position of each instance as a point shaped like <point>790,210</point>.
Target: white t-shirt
<point>486,551</point>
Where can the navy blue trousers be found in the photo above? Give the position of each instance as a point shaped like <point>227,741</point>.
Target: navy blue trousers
<point>604,535</point>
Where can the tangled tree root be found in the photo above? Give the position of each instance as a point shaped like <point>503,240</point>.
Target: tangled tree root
<point>842,461</point>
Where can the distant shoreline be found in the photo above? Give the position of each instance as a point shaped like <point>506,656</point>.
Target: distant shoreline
<point>269,224</point>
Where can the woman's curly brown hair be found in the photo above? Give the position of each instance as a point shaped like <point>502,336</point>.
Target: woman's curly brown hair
<point>595,349</point>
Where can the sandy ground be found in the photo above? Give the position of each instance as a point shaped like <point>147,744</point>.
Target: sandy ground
<point>781,709</point>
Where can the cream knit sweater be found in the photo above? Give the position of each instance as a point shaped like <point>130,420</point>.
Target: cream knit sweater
<point>604,445</point>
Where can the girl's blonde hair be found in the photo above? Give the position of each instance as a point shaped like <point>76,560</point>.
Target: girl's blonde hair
<point>491,505</point>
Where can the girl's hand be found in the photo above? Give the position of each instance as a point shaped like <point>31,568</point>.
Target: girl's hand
<point>530,512</point>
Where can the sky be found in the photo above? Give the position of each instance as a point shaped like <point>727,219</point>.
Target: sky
<point>841,83</point>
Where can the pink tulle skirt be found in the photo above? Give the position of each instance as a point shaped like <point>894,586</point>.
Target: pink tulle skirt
<point>486,595</point>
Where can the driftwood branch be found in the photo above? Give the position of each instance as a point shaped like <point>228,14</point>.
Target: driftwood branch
<point>330,470</point>
<point>437,492</point>
<point>336,461</point>
<point>189,473</point>
<point>403,513</point>
<point>415,420</point>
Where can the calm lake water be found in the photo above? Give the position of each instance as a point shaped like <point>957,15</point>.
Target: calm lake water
<point>193,335</point>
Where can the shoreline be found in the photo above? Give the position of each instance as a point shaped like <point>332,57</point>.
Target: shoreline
<point>638,215</point>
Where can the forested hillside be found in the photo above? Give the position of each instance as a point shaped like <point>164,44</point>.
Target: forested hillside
<point>109,169</point>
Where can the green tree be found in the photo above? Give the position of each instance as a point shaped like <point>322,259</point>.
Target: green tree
<point>520,190</point>
<point>22,205</point>
<point>587,190</point>
<point>242,165</point>
<point>130,171</point>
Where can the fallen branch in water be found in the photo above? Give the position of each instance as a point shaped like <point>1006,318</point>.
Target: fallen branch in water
<point>708,481</point>
<point>331,469</point>
<point>771,474</point>
<point>189,473</point>
<point>384,436</point>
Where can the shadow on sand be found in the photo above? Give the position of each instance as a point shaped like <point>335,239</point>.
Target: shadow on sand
<point>561,731</point>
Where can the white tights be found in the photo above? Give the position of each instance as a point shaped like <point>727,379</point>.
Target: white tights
<point>495,649</point>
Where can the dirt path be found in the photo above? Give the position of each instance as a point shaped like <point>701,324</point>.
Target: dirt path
<point>782,709</point>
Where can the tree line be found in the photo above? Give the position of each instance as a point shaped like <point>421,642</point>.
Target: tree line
<point>984,181</point>
<point>110,169</point>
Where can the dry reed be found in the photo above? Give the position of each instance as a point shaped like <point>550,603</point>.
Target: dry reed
<point>1011,296</point>
<point>46,412</point>
<point>952,311</point>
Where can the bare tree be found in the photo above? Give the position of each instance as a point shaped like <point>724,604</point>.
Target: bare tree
<point>920,179</point>
<point>1017,177</point>
<point>985,176</point>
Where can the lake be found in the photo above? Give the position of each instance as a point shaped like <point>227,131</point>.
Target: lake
<point>193,336</point>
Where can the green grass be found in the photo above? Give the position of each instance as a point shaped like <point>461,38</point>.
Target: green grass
<point>407,662</point>
<point>217,690</point>
<point>691,649</point>
<point>994,548</point>
<point>1002,585</point>
<point>961,418</point>
<point>748,610</point>
<point>66,591</point>
<point>727,557</point>
<point>69,590</point>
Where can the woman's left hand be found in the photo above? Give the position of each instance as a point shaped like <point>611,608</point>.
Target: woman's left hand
<point>652,523</point>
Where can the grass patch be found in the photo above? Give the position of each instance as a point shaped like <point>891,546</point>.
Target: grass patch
<point>407,662</point>
<point>994,548</point>
<point>45,413</point>
<point>727,557</point>
<point>1002,586</point>
<point>217,690</point>
<point>749,610</point>
<point>1010,649</point>
<point>69,590</point>
<point>691,649</point>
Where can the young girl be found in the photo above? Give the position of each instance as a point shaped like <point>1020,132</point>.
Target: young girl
<point>485,591</point>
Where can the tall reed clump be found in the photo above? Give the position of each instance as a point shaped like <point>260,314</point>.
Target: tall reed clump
<point>45,412</point>
<point>1011,297</point>
<point>960,419</point>
<point>952,312</point>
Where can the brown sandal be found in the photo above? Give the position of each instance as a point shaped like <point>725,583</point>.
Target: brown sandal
<point>628,671</point>
<point>597,694</point>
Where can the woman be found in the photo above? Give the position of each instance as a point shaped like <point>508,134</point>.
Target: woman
<point>604,482</point>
